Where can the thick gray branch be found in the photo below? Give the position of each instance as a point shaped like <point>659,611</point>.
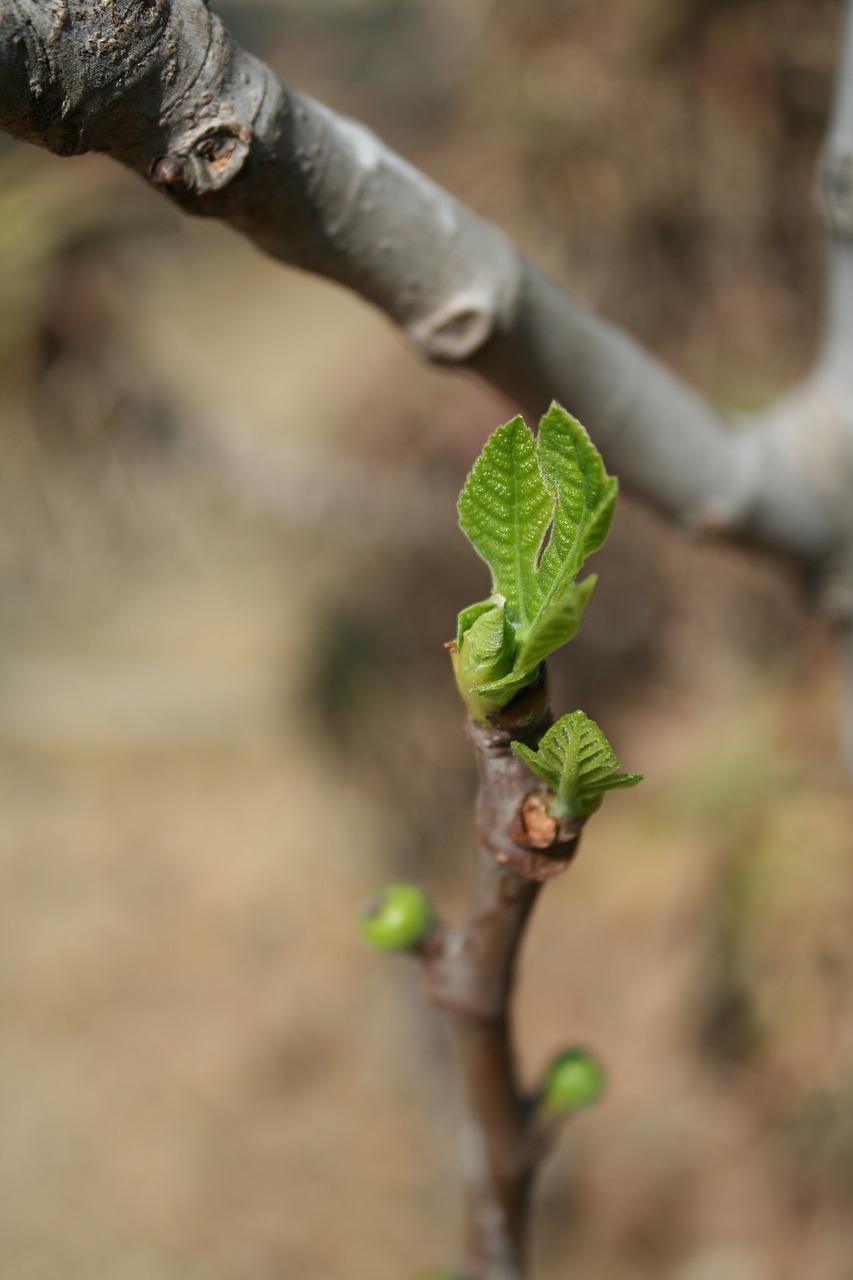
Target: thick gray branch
<point>831,386</point>
<point>160,85</point>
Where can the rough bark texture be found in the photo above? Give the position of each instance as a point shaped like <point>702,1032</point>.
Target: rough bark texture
<point>162,87</point>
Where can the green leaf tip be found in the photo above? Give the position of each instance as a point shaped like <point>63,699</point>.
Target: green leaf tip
<point>533,508</point>
<point>577,762</point>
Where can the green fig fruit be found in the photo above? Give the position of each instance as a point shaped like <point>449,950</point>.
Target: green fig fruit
<point>398,918</point>
<point>574,1080</point>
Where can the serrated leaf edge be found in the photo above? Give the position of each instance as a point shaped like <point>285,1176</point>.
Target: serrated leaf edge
<point>559,761</point>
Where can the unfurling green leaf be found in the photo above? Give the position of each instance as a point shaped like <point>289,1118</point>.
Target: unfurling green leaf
<point>577,762</point>
<point>534,509</point>
<point>490,641</point>
<point>483,654</point>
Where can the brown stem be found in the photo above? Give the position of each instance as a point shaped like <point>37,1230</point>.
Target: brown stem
<point>472,976</point>
<point>497,1162</point>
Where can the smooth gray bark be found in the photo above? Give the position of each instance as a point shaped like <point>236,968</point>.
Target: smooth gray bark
<point>831,386</point>
<point>161,86</point>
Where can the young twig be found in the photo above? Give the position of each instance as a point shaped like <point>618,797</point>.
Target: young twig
<point>472,977</point>
<point>535,510</point>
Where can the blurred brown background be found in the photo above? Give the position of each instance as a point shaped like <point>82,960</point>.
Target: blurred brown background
<point>228,560</point>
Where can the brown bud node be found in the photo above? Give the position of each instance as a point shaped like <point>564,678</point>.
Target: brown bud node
<point>172,173</point>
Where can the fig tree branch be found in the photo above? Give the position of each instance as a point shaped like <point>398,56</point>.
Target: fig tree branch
<point>161,86</point>
<point>471,975</point>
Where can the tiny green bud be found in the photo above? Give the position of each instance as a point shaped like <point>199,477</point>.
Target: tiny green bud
<point>398,918</point>
<point>483,654</point>
<point>574,1079</point>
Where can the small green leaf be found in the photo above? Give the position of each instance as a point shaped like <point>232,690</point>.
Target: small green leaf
<point>469,616</point>
<point>558,626</point>
<point>490,638</point>
<point>505,510</point>
<point>534,509</point>
<point>586,495</point>
<point>501,691</point>
<point>483,656</point>
<point>584,500</point>
<point>577,762</point>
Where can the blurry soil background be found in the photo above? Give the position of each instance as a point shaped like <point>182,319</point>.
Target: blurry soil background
<point>228,561</point>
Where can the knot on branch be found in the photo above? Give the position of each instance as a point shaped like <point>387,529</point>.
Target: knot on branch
<point>540,846</point>
<point>537,829</point>
<point>452,334</point>
<point>512,820</point>
<point>205,160</point>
